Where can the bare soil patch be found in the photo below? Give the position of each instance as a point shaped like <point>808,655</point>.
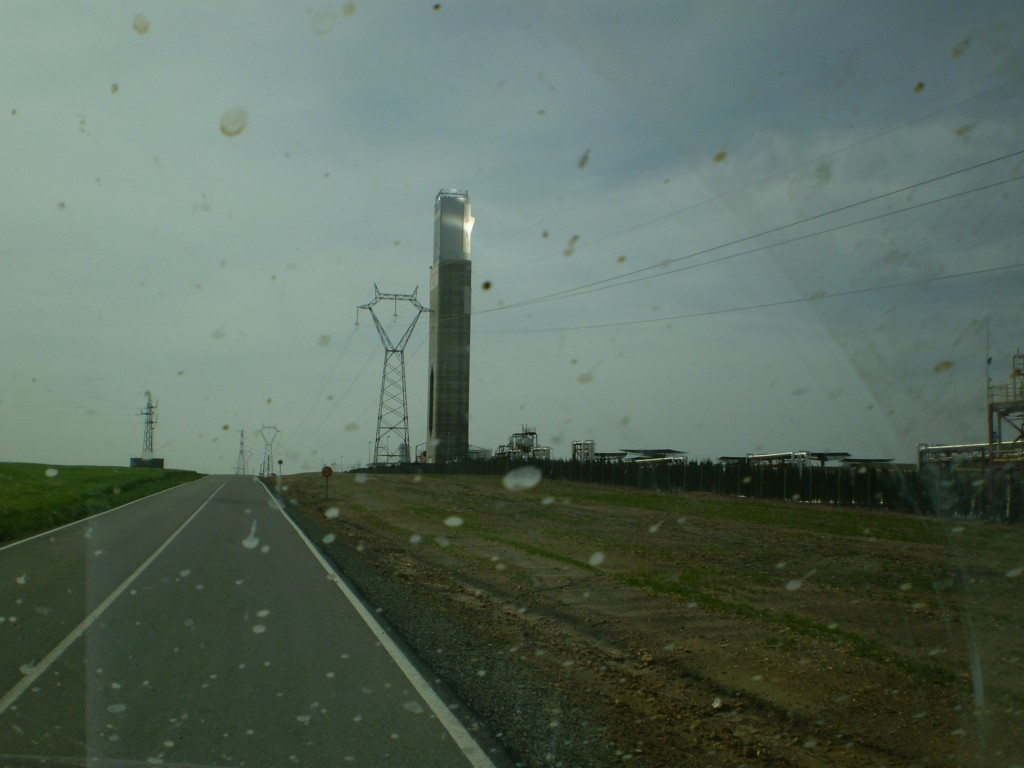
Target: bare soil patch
<point>596,625</point>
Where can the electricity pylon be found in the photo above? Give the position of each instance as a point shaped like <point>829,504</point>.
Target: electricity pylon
<point>147,435</point>
<point>393,412</point>
<point>268,434</point>
<point>240,468</point>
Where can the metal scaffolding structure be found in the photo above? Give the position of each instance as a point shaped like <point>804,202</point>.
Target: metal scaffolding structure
<point>1006,411</point>
<point>393,411</point>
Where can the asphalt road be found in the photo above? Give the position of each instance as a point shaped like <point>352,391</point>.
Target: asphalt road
<point>198,627</point>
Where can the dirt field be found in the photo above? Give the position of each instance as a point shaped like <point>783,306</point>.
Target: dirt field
<point>596,625</point>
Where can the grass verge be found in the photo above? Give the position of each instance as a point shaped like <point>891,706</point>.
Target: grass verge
<point>37,497</point>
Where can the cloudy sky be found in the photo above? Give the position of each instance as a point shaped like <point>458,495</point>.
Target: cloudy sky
<point>718,227</point>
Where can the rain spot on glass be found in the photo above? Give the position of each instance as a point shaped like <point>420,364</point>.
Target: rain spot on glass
<point>234,121</point>
<point>265,548</point>
<point>585,378</point>
<point>325,340</point>
<point>22,579</point>
<point>584,159</point>
<point>454,521</point>
<point>963,130</point>
<point>437,6</point>
<point>720,156</point>
<point>919,87</point>
<point>218,333</point>
<point>304,718</point>
<point>348,9</point>
<point>329,538</point>
<point>115,88</point>
<point>28,668</point>
<point>250,541</point>
<point>413,706</point>
<point>353,427</point>
<point>323,22</point>
<point>140,23</point>
<point>548,501</point>
<point>544,234</point>
<point>263,613</point>
<point>570,249</point>
<point>747,480</point>
<point>258,629</point>
<point>332,513</point>
<point>51,472</point>
<point>362,477</point>
<point>185,573</point>
<point>596,559</point>
<point>794,584</point>
<point>960,47</point>
<point>522,478</point>
<point>487,285</point>
<point>818,295</point>
<point>1014,573</point>
<point>945,365</point>
<point>621,260</point>
<point>115,709</point>
<point>654,528</point>
<point>906,586</point>
<point>441,541</point>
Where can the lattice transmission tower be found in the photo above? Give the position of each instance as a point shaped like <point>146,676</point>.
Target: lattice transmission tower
<point>268,434</point>
<point>147,434</point>
<point>393,412</point>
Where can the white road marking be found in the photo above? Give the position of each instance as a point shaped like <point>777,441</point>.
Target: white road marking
<point>23,685</point>
<point>473,752</point>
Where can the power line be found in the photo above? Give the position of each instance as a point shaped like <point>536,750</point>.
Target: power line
<point>618,280</point>
<point>768,304</point>
<point>731,192</point>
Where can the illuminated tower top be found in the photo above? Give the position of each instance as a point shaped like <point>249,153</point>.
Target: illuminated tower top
<point>453,224</point>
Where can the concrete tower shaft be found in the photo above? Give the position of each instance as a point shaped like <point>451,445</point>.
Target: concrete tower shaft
<point>450,306</point>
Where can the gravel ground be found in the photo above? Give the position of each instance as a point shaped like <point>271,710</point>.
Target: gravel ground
<point>597,626</point>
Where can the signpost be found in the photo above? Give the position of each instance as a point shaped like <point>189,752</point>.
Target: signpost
<point>326,472</point>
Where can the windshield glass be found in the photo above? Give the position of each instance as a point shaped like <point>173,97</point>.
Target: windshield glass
<point>770,251</point>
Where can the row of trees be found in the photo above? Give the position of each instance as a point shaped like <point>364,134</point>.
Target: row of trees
<point>991,492</point>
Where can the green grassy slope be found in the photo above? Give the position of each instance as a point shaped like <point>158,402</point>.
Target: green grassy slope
<point>36,497</point>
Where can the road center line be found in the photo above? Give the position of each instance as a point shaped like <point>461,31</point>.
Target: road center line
<point>12,695</point>
<point>472,751</point>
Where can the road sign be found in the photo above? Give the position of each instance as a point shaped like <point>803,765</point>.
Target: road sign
<point>326,471</point>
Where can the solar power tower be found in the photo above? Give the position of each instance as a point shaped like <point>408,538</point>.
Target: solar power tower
<point>450,306</point>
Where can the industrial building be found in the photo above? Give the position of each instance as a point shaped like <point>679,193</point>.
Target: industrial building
<point>450,307</point>
<point>523,445</point>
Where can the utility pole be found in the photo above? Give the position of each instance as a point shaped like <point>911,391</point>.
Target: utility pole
<point>393,411</point>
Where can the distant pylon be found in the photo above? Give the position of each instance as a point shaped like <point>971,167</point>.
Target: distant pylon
<point>393,412</point>
<point>147,434</point>
<point>268,434</point>
<point>240,466</point>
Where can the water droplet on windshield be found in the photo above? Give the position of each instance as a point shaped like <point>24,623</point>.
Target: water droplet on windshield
<point>413,706</point>
<point>140,24</point>
<point>584,159</point>
<point>117,708</point>
<point>259,629</point>
<point>234,121</point>
<point>325,340</point>
<point>22,579</point>
<point>454,521</point>
<point>522,478</point>
<point>332,513</point>
<point>361,478</point>
<point>323,22</point>
<point>348,9</point>
<point>329,538</point>
<point>250,541</point>
<point>1014,573</point>
<point>51,472</point>
<point>596,559</point>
